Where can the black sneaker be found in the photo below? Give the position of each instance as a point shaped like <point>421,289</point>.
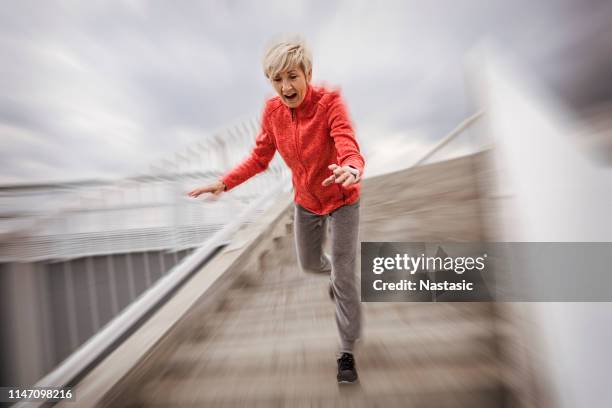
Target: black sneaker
<point>347,373</point>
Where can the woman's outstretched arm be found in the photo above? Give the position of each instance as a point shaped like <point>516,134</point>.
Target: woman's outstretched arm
<point>256,162</point>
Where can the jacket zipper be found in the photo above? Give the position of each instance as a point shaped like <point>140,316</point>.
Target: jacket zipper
<point>297,152</point>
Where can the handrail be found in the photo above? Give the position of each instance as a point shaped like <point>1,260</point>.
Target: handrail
<point>453,133</point>
<point>36,236</point>
<point>99,344</point>
<point>244,130</point>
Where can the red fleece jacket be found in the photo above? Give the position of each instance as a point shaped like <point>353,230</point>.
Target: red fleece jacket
<point>309,138</point>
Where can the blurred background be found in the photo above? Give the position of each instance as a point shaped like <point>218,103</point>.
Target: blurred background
<point>479,121</point>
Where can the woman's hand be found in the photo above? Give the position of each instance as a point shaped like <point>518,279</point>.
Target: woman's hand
<point>214,188</point>
<point>345,175</point>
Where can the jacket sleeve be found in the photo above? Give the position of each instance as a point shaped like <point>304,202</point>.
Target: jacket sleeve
<point>256,162</point>
<point>342,132</point>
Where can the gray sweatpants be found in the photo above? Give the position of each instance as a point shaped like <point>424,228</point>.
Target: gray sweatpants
<point>309,239</point>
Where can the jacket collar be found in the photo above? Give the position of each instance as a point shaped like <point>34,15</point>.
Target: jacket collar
<point>307,106</point>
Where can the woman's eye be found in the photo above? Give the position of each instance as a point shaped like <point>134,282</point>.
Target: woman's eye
<point>293,76</point>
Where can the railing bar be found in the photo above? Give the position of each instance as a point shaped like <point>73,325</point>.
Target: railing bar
<point>130,276</point>
<point>71,306</point>
<point>93,296</point>
<point>456,131</point>
<point>147,269</point>
<point>110,267</point>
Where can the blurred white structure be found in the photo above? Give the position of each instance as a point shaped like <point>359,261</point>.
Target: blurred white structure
<point>550,190</point>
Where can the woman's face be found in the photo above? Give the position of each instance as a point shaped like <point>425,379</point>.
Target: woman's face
<point>291,85</point>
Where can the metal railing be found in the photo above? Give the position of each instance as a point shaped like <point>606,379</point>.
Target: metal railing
<point>139,237</point>
<point>452,135</point>
<point>102,341</point>
<point>145,212</point>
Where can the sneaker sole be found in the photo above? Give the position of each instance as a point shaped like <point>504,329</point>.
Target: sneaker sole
<point>356,380</point>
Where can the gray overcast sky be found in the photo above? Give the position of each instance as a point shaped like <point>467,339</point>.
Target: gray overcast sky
<point>101,88</point>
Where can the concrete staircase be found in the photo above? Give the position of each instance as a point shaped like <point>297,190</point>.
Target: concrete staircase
<point>270,339</point>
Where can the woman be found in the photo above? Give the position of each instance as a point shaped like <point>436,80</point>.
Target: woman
<point>311,130</point>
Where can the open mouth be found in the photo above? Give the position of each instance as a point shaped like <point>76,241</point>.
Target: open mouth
<point>291,97</point>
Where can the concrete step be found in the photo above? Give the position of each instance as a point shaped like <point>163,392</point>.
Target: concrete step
<point>191,360</point>
<point>435,331</point>
<point>356,398</point>
<point>440,385</point>
<point>301,296</point>
<point>282,324</point>
<point>409,312</point>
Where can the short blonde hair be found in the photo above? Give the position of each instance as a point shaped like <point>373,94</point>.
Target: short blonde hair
<point>285,54</point>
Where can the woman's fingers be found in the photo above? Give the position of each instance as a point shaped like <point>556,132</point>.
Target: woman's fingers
<point>339,175</point>
<point>201,190</point>
<point>339,171</point>
<point>194,193</point>
<point>343,177</point>
<point>350,180</point>
<point>328,181</point>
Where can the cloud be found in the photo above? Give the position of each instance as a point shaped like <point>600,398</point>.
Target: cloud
<point>103,88</point>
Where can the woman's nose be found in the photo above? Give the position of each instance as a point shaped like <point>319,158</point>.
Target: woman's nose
<point>286,86</point>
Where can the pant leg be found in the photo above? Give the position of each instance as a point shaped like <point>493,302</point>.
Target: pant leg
<point>344,223</point>
<point>309,237</point>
